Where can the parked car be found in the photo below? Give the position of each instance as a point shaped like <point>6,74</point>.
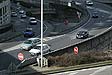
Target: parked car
<point>28,32</point>
<point>82,34</point>
<point>37,49</point>
<point>13,14</point>
<point>89,2</point>
<point>30,43</point>
<point>32,21</point>
<point>95,15</point>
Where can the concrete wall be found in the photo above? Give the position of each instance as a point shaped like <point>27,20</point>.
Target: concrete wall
<point>5,17</point>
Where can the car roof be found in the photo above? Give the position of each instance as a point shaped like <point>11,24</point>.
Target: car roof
<point>83,31</point>
<point>33,38</point>
<point>32,18</point>
<point>43,44</point>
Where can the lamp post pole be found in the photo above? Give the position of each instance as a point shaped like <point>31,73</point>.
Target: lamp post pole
<point>41,33</point>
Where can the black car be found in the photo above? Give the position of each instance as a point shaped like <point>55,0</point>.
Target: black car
<point>28,32</point>
<point>82,34</point>
<point>95,15</point>
<point>13,14</point>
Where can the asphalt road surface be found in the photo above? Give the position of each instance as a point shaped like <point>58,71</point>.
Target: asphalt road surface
<point>105,70</point>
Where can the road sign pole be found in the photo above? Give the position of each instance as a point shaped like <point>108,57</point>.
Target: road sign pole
<point>41,33</point>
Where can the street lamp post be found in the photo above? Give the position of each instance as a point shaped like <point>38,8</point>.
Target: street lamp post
<point>41,33</point>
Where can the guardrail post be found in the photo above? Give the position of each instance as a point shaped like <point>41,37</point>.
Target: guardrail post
<point>45,61</point>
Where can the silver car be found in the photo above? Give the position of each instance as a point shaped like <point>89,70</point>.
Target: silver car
<point>31,42</point>
<point>32,20</point>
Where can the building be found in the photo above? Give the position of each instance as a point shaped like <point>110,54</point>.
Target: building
<point>5,17</point>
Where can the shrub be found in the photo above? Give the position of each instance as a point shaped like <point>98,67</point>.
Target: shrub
<point>82,58</point>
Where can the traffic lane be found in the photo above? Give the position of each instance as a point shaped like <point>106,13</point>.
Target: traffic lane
<point>103,6</point>
<point>7,45</point>
<point>104,70</point>
<point>70,39</point>
<point>7,58</point>
<point>21,27</point>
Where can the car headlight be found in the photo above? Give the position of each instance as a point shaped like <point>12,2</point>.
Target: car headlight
<point>81,36</point>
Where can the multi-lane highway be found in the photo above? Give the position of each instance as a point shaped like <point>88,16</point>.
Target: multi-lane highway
<point>93,25</point>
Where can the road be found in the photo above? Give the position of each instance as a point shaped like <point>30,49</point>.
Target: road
<point>105,70</point>
<point>94,26</point>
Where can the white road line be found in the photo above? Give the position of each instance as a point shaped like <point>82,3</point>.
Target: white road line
<point>11,49</point>
<point>46,28</point>
<point>66,73</point>
<point>97,9</point>
<point>54,37</point>
<point>100,70</point>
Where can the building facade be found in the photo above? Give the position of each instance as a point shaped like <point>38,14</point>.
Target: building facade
<point>5,17</point>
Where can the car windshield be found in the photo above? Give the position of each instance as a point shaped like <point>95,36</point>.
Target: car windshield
<point>28,30</point>
<point>32,19</point>
<point>81,33</point>
<point>28,42</point>
<point>37,47</point>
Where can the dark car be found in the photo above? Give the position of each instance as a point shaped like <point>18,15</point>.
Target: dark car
<point>89,2</point>
<point>13,14</point>
<point>82,34</point>
<point>95,15</point>
<point>28,32</point>
<point>23,16</point>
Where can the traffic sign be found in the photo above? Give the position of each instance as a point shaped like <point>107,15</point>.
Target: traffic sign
<point>76,50</point>
<point>20,56</point>
<point>65,21</point>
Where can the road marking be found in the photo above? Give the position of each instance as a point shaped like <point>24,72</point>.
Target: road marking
<point>97,9</point>
<point>66,73</point>
<point>100,70</point>
<point>11,48</point>
<point>54,37</point>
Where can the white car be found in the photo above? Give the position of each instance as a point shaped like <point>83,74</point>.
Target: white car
<point>21,12</point>
<point>13,14</point>
<point>32,20</point>
<point>29,43</point>
<point>37,49</point>
<point>89,2</point>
